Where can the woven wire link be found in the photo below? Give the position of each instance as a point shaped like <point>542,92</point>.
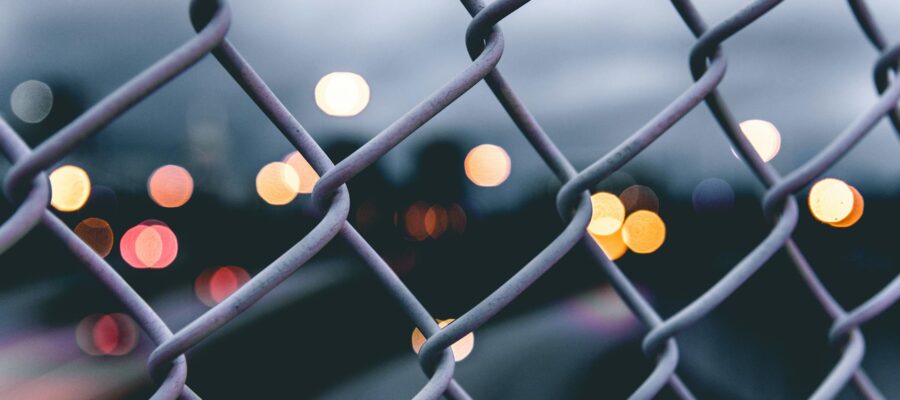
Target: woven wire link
<point>26,185</point>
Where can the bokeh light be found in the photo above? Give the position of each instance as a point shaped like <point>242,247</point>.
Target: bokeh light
<point>612,245</point>
<point>150,244</point>
<point>639,197</point>
<point>487,165</point>
<point>342,94</point>
<point>855,214</point>
<point>712,195</point>
<point>436,221</point>
<point>106,335</point>
<point>308,175</point>
<point>461,349</point>
<point>830,200</point>
<point>414,221</point>
<point>277,183</point>
<point>643,232</point>
<point>214,285</point>
<point>70,188</point>
<point>763,136</point>
<point>608,214</point>
<point>97,234</point>
<point>170,186</point>
<point>31,101</point>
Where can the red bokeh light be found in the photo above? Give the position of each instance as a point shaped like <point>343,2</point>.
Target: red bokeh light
<point>216,284</point>
<point>150,244</point>
<point>106,334</point>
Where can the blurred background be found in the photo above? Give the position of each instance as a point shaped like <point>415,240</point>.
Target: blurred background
<point>194,191</point>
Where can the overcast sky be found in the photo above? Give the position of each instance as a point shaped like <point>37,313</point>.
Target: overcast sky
<point>592,72</point>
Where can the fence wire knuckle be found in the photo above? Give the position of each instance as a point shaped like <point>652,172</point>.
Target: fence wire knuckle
<point>26,186</point>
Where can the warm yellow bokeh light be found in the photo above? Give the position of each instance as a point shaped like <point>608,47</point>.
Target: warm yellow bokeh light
<point>308,176</point>
<point>608,214</point>
<point>170,186</point>
<point>612,245</point>
<point>70,188</point>
<point>855,214</point>
<point>830,200</point>
<point>643,232</point>
<point>277,183</point>
<point>342,94</point>
<point>763,136</point>
<point>487,165</point>
<point>461,349</point>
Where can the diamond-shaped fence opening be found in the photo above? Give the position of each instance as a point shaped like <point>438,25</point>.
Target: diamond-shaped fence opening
<point>442,341</point>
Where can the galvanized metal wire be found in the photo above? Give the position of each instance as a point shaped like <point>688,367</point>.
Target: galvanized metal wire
<point>26,185</point>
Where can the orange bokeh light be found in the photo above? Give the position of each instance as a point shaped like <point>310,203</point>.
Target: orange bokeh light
<point>170,186</point>
<point>487,165</point>
<point>612,245</point>
<point>435,221</point>
<point>277,183</point>
<point>216,284</point>
<point>414,221</point>
<point>97,234</point>
<point>150,244</point>
<point>106,335</point>
<point>855,213</point>
<point>308,175</point>
<point>461,349</point>
<point>643,232</point>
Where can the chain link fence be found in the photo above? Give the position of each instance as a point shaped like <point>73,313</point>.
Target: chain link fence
<point>27,186</point>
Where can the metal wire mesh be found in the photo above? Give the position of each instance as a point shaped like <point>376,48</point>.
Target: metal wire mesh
<point>26,185</point>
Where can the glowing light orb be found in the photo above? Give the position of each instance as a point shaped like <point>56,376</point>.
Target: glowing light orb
<point>150,244</point>
<point>277,183</point>
<point>106,335</point>
<point>97,234</point>
<point>461,349</point>
<point>639,197</point>
<point>487,165</point>
<point>612,245</point>
<point>342,94</point>
<point>414,221</point>
<point>830,200</point>
<point>855,214</point>
<point>31,101</point>
<point>435,221</point>
<point>763,136</point>
<point>70,188</point>
<point>215,284</point>
<point>712,195</point>
<point>608,214</point>
<point>170,186</point>
<point>308,175</point>
<point>643,232</point>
